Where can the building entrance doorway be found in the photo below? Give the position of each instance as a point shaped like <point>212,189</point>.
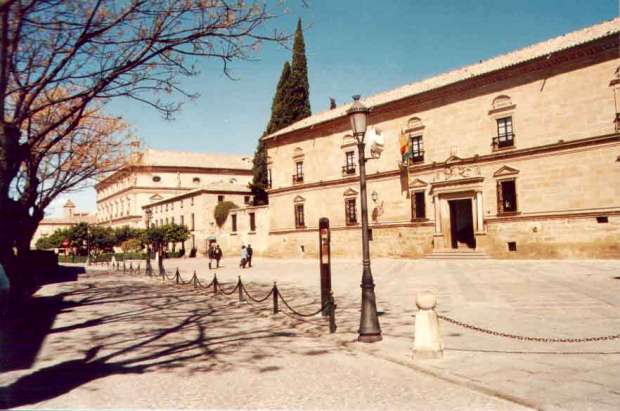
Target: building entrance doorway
<point>461,224</point>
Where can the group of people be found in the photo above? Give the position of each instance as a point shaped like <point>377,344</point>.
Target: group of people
<point>246,256</point>
<point>215,253</point>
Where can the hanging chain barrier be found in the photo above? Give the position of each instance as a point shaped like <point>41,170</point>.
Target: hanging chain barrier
<point>215,286</point>
<point>525,338</point>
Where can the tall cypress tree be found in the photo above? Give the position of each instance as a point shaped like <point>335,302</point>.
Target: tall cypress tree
<point>291,103</point>
<point>297,99</point>
<point>278,120</point>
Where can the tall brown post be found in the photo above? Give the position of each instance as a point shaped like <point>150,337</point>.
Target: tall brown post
<point>325,263</point>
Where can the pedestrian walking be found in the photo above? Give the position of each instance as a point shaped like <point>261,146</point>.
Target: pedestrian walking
<point>211,254</point>
<point>244,257</point>
<point>250,252</point>
<point>5,288</point>
<point>218,254</point>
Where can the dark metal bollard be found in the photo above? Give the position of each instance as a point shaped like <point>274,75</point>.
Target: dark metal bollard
<point>325,263</point>
<point>332,313</point>
<point>275,298</point>
<point>124,267</point>
<point>138,268</point>
<point>131,267</point>
<point>195,280</point>
<point>177,276</point>
<point>240,287</point>
<point>215,284</point>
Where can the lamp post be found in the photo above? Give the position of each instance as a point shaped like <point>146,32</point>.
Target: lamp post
<point>369,330</point>
<point>148,213</point>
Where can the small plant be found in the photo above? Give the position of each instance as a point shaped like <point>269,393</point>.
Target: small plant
<point>221,211</point>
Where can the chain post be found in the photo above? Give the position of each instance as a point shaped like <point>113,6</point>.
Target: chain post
<point>177,276</point>
<point>214,284</point>
<point>138,268</point>
<point>124,267</point>
<point>195,280</point>
<point>275,298</point>
<point>131,267</point>
<point>332,313</point>
<point>240,287</point>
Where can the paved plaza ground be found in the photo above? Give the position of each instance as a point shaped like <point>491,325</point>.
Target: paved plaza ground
<point>127,341</point>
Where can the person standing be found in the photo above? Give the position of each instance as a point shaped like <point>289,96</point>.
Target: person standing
<point>250,252</point>
<point>244,257</point>
<point>211,254</point>
<point>218,254</point>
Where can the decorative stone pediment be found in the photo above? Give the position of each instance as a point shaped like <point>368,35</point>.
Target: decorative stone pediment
<point>453,159</point>
<point>298,199</point>
<point>417,183</point>
<point>414,124</point>
<point>298,153</point>
<point>156,197</point>
<point>349,192</point>
<point>501,104</point>
<point>348,141</point>
<point>506,171</point>
<point>454,171</point>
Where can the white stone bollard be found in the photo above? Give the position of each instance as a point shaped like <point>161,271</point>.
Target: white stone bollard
<point>427,343</point>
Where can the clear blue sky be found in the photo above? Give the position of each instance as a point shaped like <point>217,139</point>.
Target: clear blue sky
<point>353,47</point>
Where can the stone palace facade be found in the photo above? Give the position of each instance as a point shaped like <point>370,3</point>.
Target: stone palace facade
<point>517,156</point>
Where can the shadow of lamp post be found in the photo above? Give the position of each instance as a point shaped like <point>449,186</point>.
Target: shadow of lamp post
<point>369,330</point>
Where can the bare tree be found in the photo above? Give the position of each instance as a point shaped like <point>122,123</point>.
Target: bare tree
<point>64,56</point>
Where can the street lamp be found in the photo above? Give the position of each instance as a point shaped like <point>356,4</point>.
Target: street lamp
<point>369,330</point>
<point>148,213</point>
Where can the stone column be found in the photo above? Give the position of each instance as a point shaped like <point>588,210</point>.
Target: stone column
<point>437,215</point>
<point>479,212</point>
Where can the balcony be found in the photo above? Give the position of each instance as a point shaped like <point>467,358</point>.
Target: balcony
<point>298,179</point>
<point>416,157</point>
<point>348,169</point>
<point>503,141</point>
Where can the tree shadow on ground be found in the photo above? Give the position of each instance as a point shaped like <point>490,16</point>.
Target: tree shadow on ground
<point>110,324</point>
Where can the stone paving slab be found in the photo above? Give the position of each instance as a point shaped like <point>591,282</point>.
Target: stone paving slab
<point>122,341</point>
<point>562,299</point>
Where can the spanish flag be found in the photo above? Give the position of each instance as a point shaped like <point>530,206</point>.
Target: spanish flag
<point>404,140</point>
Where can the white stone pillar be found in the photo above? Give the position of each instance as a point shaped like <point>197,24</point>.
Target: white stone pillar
<point>479,212</point>
<point>427,342</point>
<point>437,215</point>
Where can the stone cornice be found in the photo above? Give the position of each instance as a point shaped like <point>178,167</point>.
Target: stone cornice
<point>487,158</point>
<point>583,55</point>
<point>195,193</point>
<point>586,213</point>
<point>150,189</point>
<point>169,169</point>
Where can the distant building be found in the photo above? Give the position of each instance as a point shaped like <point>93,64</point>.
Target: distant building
<point>155,175</point>
<point>516,156</point>
<point>195,209</point>
<point>70,218</point>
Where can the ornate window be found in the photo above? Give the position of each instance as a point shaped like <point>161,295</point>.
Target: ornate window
<point>416,145</point>
<point>350,211</point>
<point>418,205</point>
<point>252,221</point>
<point>299,216</point>
<point>505,136</point>
<point>506,196</point>
<point>233,223</point>
<point>349,163</point>
<point>298,177</point>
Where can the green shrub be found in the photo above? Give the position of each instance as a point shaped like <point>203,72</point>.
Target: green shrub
<point>131,245</point>
<point>222,210</point>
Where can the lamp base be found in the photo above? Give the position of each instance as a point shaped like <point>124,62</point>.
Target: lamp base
<point>369,338</point>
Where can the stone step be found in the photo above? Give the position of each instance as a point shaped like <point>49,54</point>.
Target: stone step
<point>457,255</point>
